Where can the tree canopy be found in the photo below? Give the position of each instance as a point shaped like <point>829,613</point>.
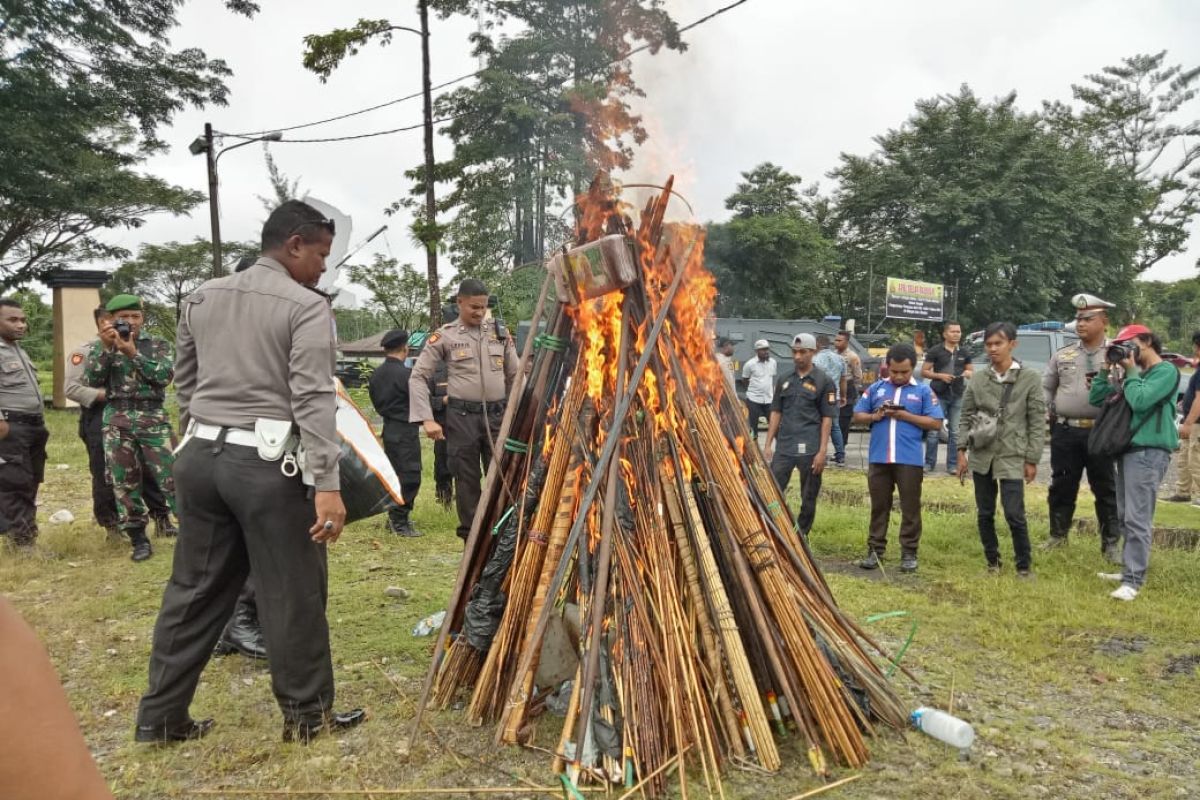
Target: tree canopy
<point>84,88</point>
<point>982,196</point>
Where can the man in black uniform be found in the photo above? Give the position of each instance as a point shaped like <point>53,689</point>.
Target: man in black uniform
<point>254,377</point>
<point>802,411</point>
<point>401,439</point>
<point>23,450</point>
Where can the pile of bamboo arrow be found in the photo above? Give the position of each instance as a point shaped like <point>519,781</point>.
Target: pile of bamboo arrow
<point>627,488</point>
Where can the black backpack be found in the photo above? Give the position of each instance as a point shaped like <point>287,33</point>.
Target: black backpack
<point>1113,433</point>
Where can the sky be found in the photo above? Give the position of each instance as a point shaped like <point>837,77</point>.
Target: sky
<point>795,83</point>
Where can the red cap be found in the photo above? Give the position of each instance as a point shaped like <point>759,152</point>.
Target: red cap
<point>1130,331</point>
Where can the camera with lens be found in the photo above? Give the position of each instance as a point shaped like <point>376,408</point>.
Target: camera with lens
<point>123,329</point>
<point>1119,351</point>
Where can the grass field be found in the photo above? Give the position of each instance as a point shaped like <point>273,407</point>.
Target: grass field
<point>1072,694</point>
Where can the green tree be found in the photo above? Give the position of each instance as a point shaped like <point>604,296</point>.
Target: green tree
<point>163,275</point>
<point>983,197</point>
<point>772,259</point>
<point>1131,114</point>
<point>84,87</point>
<point>282,187</point>
<point>398,292</point>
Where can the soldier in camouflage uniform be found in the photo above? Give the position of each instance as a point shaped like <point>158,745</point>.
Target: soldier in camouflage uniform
<point>134,369</point>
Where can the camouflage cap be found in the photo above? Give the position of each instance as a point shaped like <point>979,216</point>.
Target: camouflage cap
<point>124,302</point>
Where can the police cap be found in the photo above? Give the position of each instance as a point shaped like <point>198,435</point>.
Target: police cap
<point>394,339</point>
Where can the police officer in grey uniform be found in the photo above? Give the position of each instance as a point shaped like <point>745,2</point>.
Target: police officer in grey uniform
<point>23,448</point>
<point>1067,381</point>
<point>254,368</point>
<point>481,366</point>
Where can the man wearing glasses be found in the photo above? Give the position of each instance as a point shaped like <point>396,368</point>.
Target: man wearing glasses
<point>1067,381</point>
<point>254,379</point>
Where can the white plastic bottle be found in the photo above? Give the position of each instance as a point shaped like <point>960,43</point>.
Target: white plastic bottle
<point>940,725</point>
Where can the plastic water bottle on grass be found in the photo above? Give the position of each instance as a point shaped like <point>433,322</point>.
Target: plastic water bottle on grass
<point>943,727</point>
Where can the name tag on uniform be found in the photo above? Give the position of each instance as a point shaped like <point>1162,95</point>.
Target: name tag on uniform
<point>459,355</point>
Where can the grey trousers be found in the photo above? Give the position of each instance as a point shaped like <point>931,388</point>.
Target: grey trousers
<point>237,514</point>
<point>1139,473</point>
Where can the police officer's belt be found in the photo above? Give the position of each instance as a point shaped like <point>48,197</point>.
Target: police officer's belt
<point>1077,422</point>
<point>476,408</point>
<point>130,404</point>
<point>23,419</point>
<point>232,435</point>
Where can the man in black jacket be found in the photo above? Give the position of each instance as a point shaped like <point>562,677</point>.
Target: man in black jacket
<point>401,438</point>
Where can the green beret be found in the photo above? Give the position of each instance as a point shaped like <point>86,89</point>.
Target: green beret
<point>124,302</point>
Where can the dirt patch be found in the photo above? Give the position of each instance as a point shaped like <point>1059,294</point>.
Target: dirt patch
<point>1181,665</point>
<point>1122,646</point>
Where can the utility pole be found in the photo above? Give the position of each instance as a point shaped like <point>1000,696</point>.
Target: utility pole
<point>214,215</point>
<point>430,228</point>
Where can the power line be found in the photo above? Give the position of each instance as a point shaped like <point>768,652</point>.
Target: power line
<point>460,79</point>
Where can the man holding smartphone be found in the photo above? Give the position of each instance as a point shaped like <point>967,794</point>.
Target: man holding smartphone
<point>900,411</point>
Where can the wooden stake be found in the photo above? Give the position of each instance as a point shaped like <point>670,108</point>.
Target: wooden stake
<point>826,787</point>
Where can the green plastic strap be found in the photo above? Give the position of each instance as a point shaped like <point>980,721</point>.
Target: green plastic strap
<point>516,446</point>
<point>546,341</point>
<point>503,519</point>
<point>911,634</point>
<point>773,505</point>
<point>569,787</point>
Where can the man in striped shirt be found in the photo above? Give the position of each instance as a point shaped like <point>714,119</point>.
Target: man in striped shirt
<point>899,411</point>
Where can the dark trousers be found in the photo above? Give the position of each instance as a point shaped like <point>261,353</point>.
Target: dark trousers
<point>1012,498</point>
<point>845,416</point>
<point>402,444</point>
<point>882,480</point>
<point>810,486</point>
<point>24,456</point>
<point>239,514</point>
<point>469,437</point>
<point>1068,460</point>
<point>754,411</point>
<point>104,502</point>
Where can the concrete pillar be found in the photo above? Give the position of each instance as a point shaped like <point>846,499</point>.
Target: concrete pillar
<point>76,295</point>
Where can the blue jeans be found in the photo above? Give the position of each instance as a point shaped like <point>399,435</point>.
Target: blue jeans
<point>839,442</point>
<point>1139,472</point>
<point>952,410</point>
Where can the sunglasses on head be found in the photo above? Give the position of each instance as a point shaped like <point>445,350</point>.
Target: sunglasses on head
<point>327,224</point>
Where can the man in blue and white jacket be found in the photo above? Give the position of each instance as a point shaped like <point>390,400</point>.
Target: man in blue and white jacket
<point>900,411</point>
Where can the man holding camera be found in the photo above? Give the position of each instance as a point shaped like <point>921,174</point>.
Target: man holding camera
<point>92,403</point>
<point>1067,382</point>
<point>1135,367</point>
<point>134,369</point>
<point>481,366</point>
<point>899,411</point>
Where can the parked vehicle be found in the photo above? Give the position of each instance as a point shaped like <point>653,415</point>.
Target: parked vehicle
<point>352,373</point>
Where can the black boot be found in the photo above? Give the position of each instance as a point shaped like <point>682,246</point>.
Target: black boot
<point>243,634</point>
<point>141,545</point>
<point>163,527</point>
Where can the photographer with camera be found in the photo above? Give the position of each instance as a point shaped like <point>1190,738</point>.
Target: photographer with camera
<point>899,411</point>
<point>134,370</point>
<point>1003,426</point>
<point>1135,373</point>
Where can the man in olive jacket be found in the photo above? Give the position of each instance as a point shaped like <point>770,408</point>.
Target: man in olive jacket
<point>1012,456</point>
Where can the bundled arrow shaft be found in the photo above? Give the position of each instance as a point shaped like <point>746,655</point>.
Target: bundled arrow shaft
<point>632,496</point>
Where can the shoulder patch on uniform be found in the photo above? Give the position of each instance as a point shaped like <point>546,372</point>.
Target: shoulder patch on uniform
<point>77,359</point>
<point>433,337</point>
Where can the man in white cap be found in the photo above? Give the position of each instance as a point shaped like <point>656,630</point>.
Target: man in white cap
<point>760,390</point>
<point>802,416</point>
<point>1067,381</point>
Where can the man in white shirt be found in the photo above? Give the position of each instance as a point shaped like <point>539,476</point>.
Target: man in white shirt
<point>760,389</point>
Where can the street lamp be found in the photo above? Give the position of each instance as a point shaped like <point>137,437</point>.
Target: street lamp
<point>204,144</point>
